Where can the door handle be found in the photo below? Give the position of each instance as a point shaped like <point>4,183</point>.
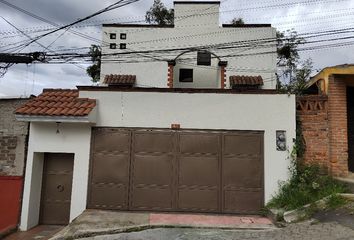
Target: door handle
<point>60,188</point>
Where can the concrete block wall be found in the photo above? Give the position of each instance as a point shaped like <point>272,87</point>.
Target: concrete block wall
<point>13,137</point>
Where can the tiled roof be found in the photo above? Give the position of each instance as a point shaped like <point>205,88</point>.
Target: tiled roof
<point>246,80</point>
<point>116,79</point>
<point>58,102</point>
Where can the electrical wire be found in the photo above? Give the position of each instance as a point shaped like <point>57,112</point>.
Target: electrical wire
<point>116,5</point>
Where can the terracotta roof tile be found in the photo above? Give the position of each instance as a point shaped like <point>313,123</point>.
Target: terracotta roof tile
<point>116,79</point>
<point>246,80</point>
<point>58,102</point>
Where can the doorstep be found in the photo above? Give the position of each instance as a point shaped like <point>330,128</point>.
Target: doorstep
<point>98,222</point>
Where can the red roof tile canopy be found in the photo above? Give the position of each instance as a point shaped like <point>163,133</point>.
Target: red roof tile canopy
<point>58,102</point>
<point>246,80</point>
<point>116,79</point>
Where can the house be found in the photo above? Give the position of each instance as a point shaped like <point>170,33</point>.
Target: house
<point>13,146</point>
<point>160,132</point>
<point>194,52</point>
<point>327,119</point>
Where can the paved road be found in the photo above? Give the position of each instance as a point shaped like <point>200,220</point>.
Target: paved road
<point>300,231</point>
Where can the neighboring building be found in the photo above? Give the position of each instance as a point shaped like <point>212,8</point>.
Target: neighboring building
<point>184,147</point>
<point>13,146</point>
<point>327,119</point>
<point>227,50</point>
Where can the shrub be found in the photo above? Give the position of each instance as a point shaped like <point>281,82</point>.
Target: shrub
<point>306,185</point>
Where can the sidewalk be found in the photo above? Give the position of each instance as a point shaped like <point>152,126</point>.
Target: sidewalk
<point>97,222</point>
<point>41,232</point>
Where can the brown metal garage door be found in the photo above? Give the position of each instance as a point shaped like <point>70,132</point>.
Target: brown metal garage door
<point>165,170</point>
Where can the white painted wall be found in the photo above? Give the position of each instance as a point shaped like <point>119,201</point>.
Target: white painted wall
<point>207,111</point>
<point>213,111</point>
<point>73,138</point>
<point>203,76</point>
<point>189,32</point>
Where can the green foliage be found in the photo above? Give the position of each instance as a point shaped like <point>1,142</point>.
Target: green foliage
<point>336,201</point>
<point>300,145</point>
<point>287,49</point>
<point>159,14</point>
<point>306,185</point>
<point>237,21</point>
<point>95,69</point>
<point>300,76</point>
<point>294,74</point>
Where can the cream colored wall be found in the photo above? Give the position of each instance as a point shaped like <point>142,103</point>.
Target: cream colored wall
<point>207,111</point>
<point>152,72</point>
<point>72,138</point>
<point>191,14</point>
<point>212,111</point>
<point>203,76</point>
<point>189,32</point>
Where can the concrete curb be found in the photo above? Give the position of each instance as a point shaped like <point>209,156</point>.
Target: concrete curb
<point>303,212</point>
<point>348,196</point>
<point>92,233</point>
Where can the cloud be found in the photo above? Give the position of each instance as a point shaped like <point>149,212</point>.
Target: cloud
<point>22,79</point>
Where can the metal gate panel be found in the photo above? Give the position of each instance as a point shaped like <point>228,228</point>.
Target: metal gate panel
<point>198,172</point>
<point>166,170</point>
<point>110,163</point>
<point>242,173</point>
<point>199,143</point>
<point>152,176</point>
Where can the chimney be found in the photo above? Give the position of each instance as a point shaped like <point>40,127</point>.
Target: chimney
<point>196,14</point>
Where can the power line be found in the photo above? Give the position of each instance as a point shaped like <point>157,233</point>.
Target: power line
<point>116,5</point>
<point>98,40</point>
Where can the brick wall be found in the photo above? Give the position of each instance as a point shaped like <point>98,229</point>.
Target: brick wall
<point>337,118</point>
<point>324,127</point>
<point>312,113</point>
<point>13,137</point>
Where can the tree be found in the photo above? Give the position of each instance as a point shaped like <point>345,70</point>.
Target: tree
<point>291,77</point>
<point>94,70</point>
<point>237,21</point>
<point>302,73</point>
<point>159,14</point>
<point>287,51</point>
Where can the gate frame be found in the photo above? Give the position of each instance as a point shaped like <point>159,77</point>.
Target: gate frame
<point>219,131</point>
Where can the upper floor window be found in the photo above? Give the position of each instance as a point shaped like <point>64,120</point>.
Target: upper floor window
<point>204,58</point>
<point>112,36</point>
<point>123,36</point>
<point>112,46</point>
<point>186,75</point>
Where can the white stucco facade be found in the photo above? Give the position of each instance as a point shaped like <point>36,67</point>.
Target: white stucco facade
<point>72,138</point>
<point>264,112</point>
<point>249,50</point>
<point>129,109</point>
<point>140,108</point>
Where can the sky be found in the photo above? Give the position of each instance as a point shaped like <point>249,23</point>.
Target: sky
<point>303,16</point>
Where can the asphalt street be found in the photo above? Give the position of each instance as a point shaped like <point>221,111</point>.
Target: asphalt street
<point>304,231</point>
